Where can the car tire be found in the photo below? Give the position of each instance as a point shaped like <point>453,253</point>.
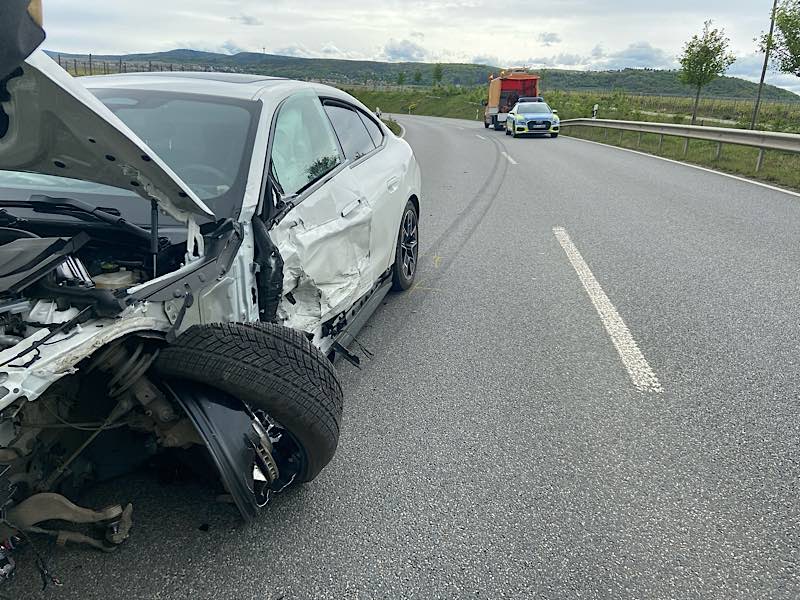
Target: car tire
<point>485,125</point>
<point>514,133</point>
<point>407,251</point>
<point>270,368</point>
<point>507,131</point>
<point>554,135</point>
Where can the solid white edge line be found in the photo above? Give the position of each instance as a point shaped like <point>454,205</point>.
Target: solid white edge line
<point>402,130</point>
<point>480,137</point>
<point>511,160</point>
<point>642,376</point>
<point>685,164</point>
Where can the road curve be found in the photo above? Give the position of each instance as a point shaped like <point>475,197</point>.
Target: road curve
<point>498,444</point>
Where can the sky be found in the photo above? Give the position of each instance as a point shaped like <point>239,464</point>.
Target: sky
<point>570,34</point>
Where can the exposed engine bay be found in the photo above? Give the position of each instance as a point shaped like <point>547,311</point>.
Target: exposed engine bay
<point>109,413</point>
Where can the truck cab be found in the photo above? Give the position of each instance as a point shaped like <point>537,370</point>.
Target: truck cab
<point>505,91</point>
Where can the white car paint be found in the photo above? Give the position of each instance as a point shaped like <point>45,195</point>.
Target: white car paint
<point>336,243</point>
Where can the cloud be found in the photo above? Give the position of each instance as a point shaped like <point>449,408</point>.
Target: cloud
<point>749,67</point>
<point>484,59</point>
<point>331,50</point>
<point>638,55</point>
<point>231,47</point>
<point>296,50</point>
<point>403,51</point>
<point>227,47</point>
<point>247,20</point>
<point>548,38</point>
<point>562,60</point>
<point>605,33</point>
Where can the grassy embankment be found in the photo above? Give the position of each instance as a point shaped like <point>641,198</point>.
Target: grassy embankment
<point>779,168</point>
<point>393,125</point>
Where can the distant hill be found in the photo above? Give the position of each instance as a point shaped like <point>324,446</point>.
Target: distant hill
<point>350,72</point>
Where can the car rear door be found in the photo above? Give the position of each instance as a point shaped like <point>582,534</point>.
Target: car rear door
<point>379,174</point>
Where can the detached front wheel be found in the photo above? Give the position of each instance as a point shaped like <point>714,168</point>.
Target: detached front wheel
<point>407,252</point>
<point>273,370</point>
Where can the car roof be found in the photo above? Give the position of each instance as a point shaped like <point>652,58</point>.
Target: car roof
<point>228,85</point>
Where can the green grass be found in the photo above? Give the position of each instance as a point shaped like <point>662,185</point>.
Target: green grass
<point>393,125</point>
<point>447,101</point>
<point>779,168</point>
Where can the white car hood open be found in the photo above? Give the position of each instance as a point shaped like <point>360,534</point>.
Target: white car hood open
<point>55,126</point>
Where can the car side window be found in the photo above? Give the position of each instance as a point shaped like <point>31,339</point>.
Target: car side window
<point>304,146</point>
<point>353,134</point>
<point>374,129</point>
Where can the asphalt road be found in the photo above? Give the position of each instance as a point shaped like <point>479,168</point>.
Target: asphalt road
<point>496,446</point>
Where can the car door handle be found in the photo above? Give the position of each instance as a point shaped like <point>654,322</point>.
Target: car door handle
<point>351,207</point>
<point>393,184</point>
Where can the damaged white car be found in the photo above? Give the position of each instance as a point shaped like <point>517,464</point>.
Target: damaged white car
<point>181,256</point>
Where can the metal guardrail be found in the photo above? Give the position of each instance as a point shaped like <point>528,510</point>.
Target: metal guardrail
<point>763,140</point>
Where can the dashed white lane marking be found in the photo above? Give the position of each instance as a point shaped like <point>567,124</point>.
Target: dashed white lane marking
<point>642,376</point>
<point>511,160</point>
<point>480,137</point>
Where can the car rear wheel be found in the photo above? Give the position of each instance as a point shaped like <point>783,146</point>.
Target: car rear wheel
<point>407,253</point>
<point>485,125</point>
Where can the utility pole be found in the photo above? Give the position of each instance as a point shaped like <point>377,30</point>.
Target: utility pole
<point>767,50</point>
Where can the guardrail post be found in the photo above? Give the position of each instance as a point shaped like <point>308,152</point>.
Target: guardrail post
<point>639,140</point>
<point>660,141</point>
<point>621,132</point>
<point>719,151</point>
<point>760,160</point>
<point>606,132</point>
<point>685,146</point>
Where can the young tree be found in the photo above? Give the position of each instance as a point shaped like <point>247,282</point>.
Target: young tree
<point>786,41</point>
<point>438,73</point>
<point>401,78</point>
<point>705,57</point>
<point>417,77</point>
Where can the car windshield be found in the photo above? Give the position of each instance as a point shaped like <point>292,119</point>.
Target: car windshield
<point>535,108</point>
<point>206,140</point>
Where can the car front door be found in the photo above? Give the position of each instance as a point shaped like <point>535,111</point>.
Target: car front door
<point>324,238</point>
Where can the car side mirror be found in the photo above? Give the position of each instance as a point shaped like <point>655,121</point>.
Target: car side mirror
<point>484,102</point>
<point>555,112</point>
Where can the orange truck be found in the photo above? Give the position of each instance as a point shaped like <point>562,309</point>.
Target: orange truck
<point>505,91</point>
